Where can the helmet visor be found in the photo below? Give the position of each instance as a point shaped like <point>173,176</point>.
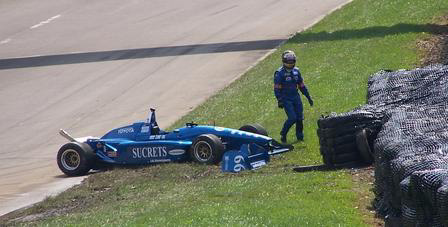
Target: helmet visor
<point>289,65</point>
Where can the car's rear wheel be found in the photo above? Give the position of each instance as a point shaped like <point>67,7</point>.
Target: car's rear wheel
<point>207,149</point>
<point>254,128</point>
<point>73,160</point>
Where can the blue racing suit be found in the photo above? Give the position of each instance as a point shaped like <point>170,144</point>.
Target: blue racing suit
<point>286,85</point>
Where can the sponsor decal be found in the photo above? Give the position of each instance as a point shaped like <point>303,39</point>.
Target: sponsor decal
<point>157,137</point>
<point>160,160</point>
<point>288,78</point>
<point>145,129</point>
<point>176,152</point>
<point>112,154</point>
<point>148,152</point>
<point>220,129</point>
<point>125,130</point>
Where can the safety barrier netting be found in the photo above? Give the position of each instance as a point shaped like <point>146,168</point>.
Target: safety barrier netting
<point>411,164</point>
<point>404,127</point>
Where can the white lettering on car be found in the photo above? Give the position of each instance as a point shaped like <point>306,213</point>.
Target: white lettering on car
<point>145,129</point>
<point>125,130</point>
<point>238,166</point>
<point>149,152</point>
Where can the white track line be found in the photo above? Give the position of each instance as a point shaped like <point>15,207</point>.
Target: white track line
<point>45,22</point>
<point>5,41</point>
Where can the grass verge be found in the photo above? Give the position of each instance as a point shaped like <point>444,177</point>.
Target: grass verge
<point>336,56</point>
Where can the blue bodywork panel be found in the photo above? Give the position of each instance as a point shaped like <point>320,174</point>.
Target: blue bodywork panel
<point>139,143</point>
<point>144,143</point>
<point>250,156</point>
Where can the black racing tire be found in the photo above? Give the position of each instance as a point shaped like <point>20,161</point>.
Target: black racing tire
<point>336,121</point>
<point>352,164</point>
<point>364,147</point>
<point>254,128</point>
<point>74,160</point>
<point>327,160</point>
<point>346,157</point>
<point>341,149</point>
<point>207,149</point>
<point>337,141</point>
<point>345,130</point>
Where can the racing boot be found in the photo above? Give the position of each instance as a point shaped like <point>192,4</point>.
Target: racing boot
<point>299,130</point>
<point>283,138</point>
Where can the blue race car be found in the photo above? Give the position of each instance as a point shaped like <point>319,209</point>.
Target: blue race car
<point>144,143</point>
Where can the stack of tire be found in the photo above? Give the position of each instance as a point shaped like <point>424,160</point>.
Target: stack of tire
<point>346,140</point>
<point>403,130</point>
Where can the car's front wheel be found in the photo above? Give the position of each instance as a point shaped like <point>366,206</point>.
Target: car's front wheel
<point>207,149</point>
<point>254,128</point>
<point>73,160</point>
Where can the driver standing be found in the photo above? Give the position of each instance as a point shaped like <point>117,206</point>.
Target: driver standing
<point>287,81</point>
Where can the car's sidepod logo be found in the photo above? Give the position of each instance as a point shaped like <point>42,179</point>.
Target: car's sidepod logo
<point>148,152</point>
<point>176,152</point>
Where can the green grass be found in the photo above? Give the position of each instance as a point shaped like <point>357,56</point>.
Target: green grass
<point>202,196</point>
<point>336,56</point>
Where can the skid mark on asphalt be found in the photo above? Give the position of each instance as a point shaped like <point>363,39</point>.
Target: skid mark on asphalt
<point>223,10</point>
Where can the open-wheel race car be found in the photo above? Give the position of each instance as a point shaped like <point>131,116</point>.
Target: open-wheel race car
<point>144,143</point>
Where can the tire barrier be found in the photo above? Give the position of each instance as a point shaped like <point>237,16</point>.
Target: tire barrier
<point>413,143</point>
<point>403,130</point>
<point>347,139</point>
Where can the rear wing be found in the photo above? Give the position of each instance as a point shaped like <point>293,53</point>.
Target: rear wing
<point>70,138</point>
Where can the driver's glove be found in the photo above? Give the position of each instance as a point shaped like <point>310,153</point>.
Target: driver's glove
<point>310,101</point>
<point>280,104</point>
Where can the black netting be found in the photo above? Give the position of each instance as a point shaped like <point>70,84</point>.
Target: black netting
<point>427,85</point>
<point>442,202</point>
<point>407,117</point>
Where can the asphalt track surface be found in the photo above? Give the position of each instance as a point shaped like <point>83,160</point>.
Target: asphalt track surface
<point>90,66</point>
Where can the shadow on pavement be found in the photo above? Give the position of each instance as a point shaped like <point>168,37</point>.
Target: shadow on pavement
<point>112,55</point>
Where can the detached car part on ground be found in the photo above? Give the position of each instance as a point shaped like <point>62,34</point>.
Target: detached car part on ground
<point>144,143</point>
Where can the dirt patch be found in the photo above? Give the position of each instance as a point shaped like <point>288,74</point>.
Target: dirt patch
<point>434,49</point>
<point>363,179</point>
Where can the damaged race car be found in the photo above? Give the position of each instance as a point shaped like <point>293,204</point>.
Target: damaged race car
<point>144,143</point>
